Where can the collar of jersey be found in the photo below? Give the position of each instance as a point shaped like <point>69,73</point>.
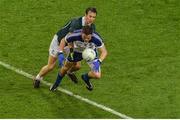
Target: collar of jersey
<point>83,21</point>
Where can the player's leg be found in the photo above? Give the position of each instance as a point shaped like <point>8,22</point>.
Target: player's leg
<point>53,51</point>
<point>45,70</point>
<point>61,74</point>
<point>49,67</point>
<point>71,72</point>
<point>75,67</point>
<point>77,57</point>
<point>69,63</point>
<point>95,73</point>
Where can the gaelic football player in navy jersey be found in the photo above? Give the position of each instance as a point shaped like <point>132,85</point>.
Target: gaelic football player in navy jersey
<point>58,44</point>
<point>78,41</point>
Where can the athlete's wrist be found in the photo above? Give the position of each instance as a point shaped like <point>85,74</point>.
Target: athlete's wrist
<point>60,52</point>
<point>100,61</point>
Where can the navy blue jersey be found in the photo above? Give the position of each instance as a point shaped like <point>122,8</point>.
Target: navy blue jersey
<point>79,44</point>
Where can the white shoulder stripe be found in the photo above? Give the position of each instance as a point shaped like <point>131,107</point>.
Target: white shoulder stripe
<point>101,45</point>
<point>67,24</point>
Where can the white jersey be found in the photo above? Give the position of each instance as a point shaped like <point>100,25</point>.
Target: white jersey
<point>80,44</point>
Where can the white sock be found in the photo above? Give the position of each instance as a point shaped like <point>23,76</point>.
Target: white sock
<point>38,77</point>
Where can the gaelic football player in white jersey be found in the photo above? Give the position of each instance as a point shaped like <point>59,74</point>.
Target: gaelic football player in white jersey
<point>78,41</point>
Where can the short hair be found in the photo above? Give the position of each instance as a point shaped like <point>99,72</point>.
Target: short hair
<point>92,9</point>
<point>87,30</point>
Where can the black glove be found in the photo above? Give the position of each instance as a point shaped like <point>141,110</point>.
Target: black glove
<point>71,54</point>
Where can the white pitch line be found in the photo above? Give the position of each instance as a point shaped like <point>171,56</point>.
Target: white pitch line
<point>105,108</point>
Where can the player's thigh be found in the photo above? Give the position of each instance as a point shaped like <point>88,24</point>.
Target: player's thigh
<point>95,74</point>
<point>68,65</point>
<point>95,69</point>
<point>95,66</point>
<point>77,65</point>
<point>54,47</point>
<point>51,61</point>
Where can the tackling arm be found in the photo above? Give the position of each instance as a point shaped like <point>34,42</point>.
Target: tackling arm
<point>62,45</point>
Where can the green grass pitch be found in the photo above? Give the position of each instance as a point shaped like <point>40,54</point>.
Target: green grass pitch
<point>140,77</point>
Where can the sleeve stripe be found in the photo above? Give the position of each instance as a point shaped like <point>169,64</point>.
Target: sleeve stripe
<point>67,24</point>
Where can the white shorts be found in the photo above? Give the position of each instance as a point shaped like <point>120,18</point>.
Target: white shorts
<point>95,66</point>
<point>54,47</point>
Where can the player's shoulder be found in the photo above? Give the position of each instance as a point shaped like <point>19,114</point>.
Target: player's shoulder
<point>97,36</point>
<point>76,19</point>
<point>75,33</point>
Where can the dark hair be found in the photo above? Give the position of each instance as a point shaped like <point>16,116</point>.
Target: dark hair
<point>87,30</point>
<point>92,9</point>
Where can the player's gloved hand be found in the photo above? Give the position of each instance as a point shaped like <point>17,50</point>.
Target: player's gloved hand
<point>61,58</point>
<point>71,54</point>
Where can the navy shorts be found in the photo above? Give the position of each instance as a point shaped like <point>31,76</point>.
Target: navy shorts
<point>76,57</point>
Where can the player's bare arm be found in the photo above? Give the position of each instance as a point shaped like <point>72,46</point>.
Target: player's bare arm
<point>103,53</point>
<point>62,45</point>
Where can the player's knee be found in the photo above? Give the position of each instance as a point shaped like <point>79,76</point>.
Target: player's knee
<point>97,75</point>
<point>65,69</point>
<point>78,67</point>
